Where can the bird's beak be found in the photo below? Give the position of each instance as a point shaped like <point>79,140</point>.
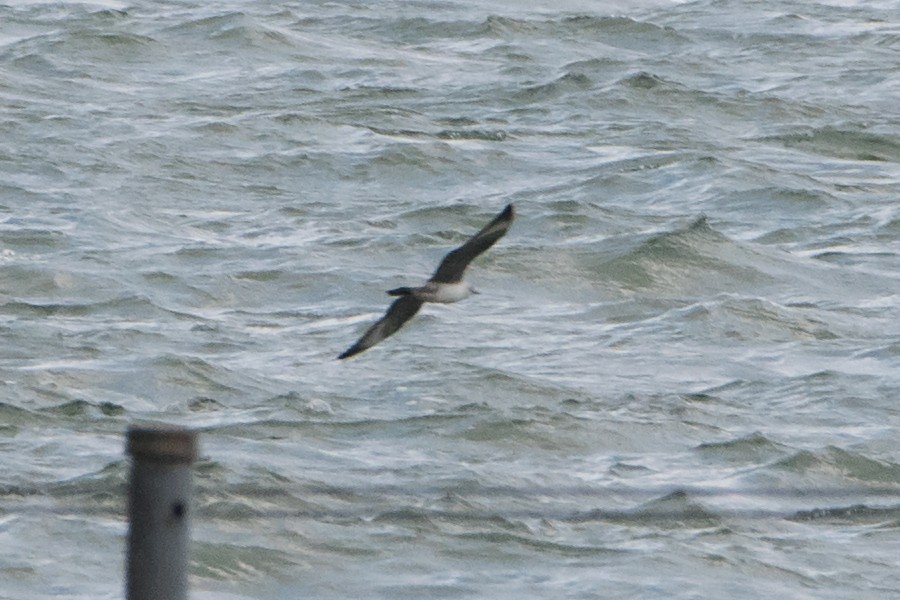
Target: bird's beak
<point>474,291</point>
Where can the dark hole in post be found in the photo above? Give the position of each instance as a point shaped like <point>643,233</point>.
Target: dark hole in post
<point>178,510</point>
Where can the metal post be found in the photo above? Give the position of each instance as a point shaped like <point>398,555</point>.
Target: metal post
<point>158,506</point>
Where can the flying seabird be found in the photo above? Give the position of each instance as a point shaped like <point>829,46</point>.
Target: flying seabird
<point>446,285</point>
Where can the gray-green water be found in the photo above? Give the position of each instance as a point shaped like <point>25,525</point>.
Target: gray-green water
<point>680,379</point>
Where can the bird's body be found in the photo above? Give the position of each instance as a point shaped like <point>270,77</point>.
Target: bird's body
<point>432,291</point>
<point>445,286</point>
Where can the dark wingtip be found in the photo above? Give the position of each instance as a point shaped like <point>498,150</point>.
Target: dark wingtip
<point>508,212</point>
<point>350,352</point>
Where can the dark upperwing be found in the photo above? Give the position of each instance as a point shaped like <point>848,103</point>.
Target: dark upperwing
<point>399,312</point>
<point>454,264</point>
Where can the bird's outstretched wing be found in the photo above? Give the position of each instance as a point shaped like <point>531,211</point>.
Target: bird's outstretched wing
<point>399,312</point>
<point>454,264</point>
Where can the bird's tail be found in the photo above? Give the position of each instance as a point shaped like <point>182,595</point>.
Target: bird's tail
<point>400,291</point>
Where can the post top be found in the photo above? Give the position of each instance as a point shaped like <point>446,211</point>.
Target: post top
<point>163,443</point>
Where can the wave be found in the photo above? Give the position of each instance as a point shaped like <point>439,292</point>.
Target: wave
<point>858,514</point>
<point>230,562</point>
<point>859,143</point>
<point>674,510</point>
<point>690,261</point>
<point>833,463</point>
<point>751,448</point>
<point>127,306</point>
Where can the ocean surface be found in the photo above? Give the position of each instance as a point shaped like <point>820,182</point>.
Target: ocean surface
<point>681,378</point>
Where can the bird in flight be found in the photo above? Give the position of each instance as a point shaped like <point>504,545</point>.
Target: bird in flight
<point>446,285</point>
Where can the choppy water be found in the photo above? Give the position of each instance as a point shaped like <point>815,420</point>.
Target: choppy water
<point>680,380</point>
